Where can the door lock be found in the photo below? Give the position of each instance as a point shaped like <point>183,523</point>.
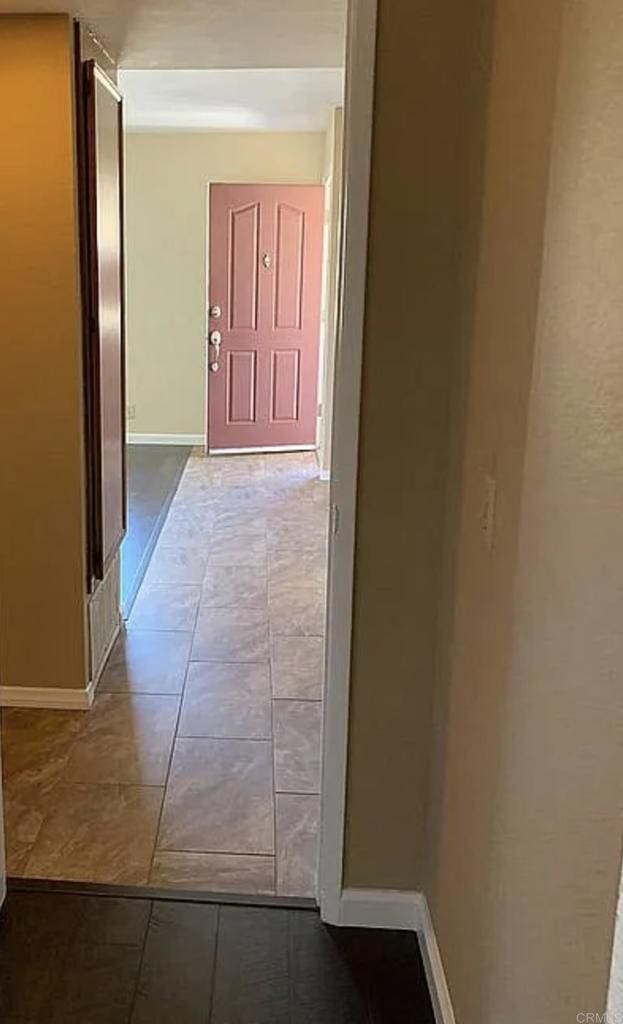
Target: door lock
<point>215,312</point>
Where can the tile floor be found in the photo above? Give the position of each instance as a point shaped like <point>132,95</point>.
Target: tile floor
<point>198,766</point>
<point>84,959</point>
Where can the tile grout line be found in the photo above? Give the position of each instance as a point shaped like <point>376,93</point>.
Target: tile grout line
<point>274,796</point>
<point>214,964</point>
<point>219,853</point>
<point>298,792</point>
<point>180,704</point>
<point>169,763</point>
<point>273,752</point>
<point>141,961</point>
<point>229,739</point>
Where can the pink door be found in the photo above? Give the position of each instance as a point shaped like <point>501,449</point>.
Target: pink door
<point>264,295</point>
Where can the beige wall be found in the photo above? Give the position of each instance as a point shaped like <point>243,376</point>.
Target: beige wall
<point>42,571</point>
<point>167,178</point>
<point>510,287</point>
<point>420,162</point>
<point>528,798</point>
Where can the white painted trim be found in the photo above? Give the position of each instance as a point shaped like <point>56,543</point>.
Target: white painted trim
<point>189,130</point>
<point>106,655</point>
<point>380,908</point>
<point>185,439</point>
<point>206,323</point>
<point>47,697</point>
<point>433,965</point>
<point>358,116</point>
<point>257,451</point>
<point>324,475</point>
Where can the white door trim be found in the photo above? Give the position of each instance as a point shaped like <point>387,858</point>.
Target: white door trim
<point>358,115</point>
<point>275,450</point>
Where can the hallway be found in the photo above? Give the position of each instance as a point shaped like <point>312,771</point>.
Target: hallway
<point>198,766</point>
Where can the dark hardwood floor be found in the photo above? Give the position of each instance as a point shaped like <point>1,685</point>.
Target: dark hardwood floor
<point>154,471</point>
<point>82,959</point>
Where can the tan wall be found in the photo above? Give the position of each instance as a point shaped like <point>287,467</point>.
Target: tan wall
<point>413,324</point>
<point>42,571</point>
<point>167,178</point>
<point>528,798</point>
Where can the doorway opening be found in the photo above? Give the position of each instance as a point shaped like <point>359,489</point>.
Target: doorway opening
<point>203,745</point>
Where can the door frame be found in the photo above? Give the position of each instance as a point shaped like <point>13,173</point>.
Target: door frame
<point>266,449</point>
<point>358,119</point>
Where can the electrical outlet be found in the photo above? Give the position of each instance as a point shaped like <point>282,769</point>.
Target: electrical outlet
<point>487,516</point>
<point>131,412</point>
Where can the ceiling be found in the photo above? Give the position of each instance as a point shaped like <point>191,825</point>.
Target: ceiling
<point>209,33</point>
<point>283,99</point>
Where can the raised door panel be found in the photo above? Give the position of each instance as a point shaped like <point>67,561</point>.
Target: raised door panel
<point>285,386</point>
<point>289,267</point>
<point>291,320</point>
<point>243,256</point>
<point>241,369</point>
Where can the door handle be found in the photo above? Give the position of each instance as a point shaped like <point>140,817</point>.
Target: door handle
<point>215,340</point>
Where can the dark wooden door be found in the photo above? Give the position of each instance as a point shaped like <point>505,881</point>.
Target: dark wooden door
<point>105,329</point>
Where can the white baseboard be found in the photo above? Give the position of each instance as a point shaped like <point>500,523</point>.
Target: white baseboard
<point>379,908</point>
<point>433,965</point>
<point>182,439</point>
<point>273,450</point>
<point>404,911</point>
<point>55,698</point>
<point>50,697</point>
